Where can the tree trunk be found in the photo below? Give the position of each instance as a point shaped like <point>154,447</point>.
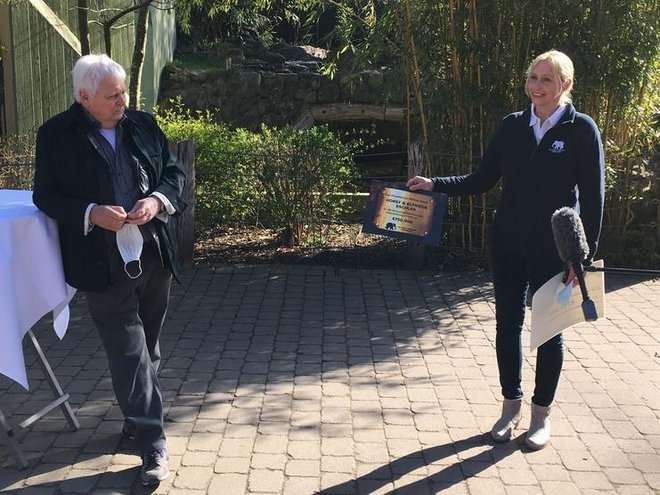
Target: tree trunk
<point>83,27</point>
<point>134,90</point>
<point>108,23</point>
<point>417,164</point>
<point>107,37</point>
<point>342,112</point>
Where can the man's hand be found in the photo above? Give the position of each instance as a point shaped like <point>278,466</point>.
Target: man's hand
<point>419,182</point>
<point>108,217</point>
<point>144,210</point>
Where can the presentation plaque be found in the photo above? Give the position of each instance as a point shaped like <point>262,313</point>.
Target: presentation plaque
<point>394,211</point>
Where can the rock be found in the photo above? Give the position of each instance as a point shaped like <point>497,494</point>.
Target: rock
<point>272,58</point>
<point>253,47</point>
<point>266,84</point>
<point>299,53</point>
<point>317,53</point>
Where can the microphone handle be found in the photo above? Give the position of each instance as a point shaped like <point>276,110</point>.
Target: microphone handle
<point>588,306</point>
<point>622,271</point>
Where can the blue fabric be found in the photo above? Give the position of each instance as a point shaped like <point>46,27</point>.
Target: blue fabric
<point>512,273</point>
<point>566,168</point>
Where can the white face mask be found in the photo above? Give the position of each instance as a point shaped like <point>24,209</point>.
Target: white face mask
<point>129,242</point>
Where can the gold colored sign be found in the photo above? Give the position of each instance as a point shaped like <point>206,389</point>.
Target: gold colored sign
<point>404,211</point>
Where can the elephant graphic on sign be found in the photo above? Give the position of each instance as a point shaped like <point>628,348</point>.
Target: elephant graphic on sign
<point>390,226</point>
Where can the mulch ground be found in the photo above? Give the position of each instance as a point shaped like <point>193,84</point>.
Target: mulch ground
<point>340,246</point>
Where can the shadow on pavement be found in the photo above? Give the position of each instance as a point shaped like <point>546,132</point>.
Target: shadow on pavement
<point>442,479</point>
<point>243,344</point>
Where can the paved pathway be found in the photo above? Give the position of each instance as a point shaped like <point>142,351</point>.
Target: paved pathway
<point>300,380</point>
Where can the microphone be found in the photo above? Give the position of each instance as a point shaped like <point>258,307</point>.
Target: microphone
<point>573,249</point>
<point>572,245</point>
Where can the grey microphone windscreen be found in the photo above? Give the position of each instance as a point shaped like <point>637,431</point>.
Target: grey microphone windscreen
<point>568,232</point>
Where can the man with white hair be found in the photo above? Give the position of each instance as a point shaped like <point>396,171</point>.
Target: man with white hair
<point>105,173</point>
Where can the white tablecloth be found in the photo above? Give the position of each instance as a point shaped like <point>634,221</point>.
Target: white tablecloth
<point>31,278</point>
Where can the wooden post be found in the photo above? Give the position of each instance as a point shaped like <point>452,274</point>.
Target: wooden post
<point>656,200</point>
<point>185,223</point>
<point>417,160</point>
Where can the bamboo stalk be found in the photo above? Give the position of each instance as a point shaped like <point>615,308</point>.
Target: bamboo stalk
<point>406,71</point>
<point>417,81</point>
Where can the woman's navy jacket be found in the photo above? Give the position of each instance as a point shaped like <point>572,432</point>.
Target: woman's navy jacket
<point>565,169</point>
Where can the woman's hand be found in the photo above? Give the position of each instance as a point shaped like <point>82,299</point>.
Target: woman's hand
<point>570,276</point>
<point>418,182</point>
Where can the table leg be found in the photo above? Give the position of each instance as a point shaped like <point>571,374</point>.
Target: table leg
<point>61,400</point>
<point>14,448</point>
<point>54,384</point>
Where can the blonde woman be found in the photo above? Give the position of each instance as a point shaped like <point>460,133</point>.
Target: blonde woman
<point>546,156</point>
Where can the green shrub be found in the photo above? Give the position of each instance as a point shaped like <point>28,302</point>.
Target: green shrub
<point>224,182</point>
<point>280,178</point>
<point>298,172</point>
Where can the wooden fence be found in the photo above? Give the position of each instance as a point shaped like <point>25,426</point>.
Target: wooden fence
<point>185,223</point>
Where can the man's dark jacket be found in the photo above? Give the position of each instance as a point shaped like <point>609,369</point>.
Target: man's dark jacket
<point>71,173</point>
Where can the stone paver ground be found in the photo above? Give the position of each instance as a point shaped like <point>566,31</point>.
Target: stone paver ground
<point>301,380</point>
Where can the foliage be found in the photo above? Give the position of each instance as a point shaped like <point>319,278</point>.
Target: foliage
<point>237,18</point>
<point>224,184</point>
<point>463,63</point>
<point>281,178</point>
<point>16,162</point>
<point>298,172</point>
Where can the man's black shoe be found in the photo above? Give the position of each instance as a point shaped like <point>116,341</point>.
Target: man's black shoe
<point>154,467</point>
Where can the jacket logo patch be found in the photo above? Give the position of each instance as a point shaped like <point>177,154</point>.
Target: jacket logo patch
<point>557,147</point>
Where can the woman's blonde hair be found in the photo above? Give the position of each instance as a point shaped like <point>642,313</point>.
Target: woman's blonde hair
<point>562,66</point>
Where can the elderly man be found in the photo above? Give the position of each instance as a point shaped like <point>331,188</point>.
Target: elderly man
<point>106,175</point>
